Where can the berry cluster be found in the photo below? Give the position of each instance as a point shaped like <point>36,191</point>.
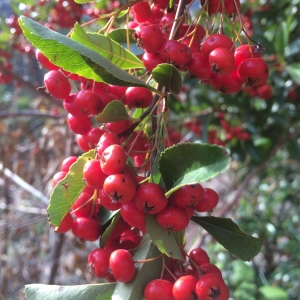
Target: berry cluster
<point>215,60</point>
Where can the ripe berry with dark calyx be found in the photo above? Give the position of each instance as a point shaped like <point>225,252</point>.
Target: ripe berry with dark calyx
<point>185,288</point>
<point>57,84</point>
<point>177,53</point>
<point>93,174</point>
<point>87,229</point>
<point>214,41</point>
<point>227,84</point>
<point>199,66</point>
<point>212,286</point>
<point>138,97</point>
<point>121,265</point>
<point>150,198</point>
<point>89,102</point>
<point>98,262</point>
<point>158,289</point>
<point>71,107</point>
<point>173,218</point>
<point>119,187</point>
<point>253,71</point>
<point>221,61</point>
<point>187,195</point>
<point>79,125</point>
<point>209,201</point>
<point>107,202</point>
<point>149,37</point>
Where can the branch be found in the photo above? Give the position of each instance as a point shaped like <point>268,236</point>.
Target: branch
<point>28,85</point>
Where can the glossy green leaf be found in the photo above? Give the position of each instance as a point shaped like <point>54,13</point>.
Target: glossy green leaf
<point>191,163</point>
<point>228,234</point>
<point>83,1</point>
<point>75,57</point>
<point>168,76</point>
<point>162,238</point>
<point>106,47</point>
<point>281,40</point>
<point>272,293</point>
<point>145,272</point>
<point>293,70</point>
<point>104,215</point>
<point>106,234</point>
<point>51,292</point>
<point>120,36</point>
<point>113,112</point>
<point>68,189</point>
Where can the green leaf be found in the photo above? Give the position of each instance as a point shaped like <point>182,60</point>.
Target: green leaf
<point>113,112</point>
<point>241,272</point>
<point>120,36</point>
<point>228,234</point>
<point>75,57</point>
<point>168,76</point>
<point>68,189</point>
<point>106,234</point>
<point>51,292</point>
<point>191,163</point>
<point>162,238</point>
<point>281,40</point>
<point>83,1</point>
<point>293,70</point>
<point>272,293</point>
<point>104,215</point>
<point>106,47</point>
<point>145,272</point>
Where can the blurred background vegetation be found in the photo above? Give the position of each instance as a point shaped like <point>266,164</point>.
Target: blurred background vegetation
<point>260,191</point>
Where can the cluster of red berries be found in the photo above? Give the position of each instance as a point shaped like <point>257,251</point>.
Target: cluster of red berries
<point>263,91</point>
<point>196,278</point>
<point>214,60</point>
<point>232,132</point>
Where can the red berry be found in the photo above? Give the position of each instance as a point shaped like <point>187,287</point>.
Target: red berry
<point>79,125</point>
<point>185,288</point>
<point>210,268</point>
<point>209,201</point>
<point>89,102</point>
<point>86,229</point>
<point>141,12</point>
<point>198,256</point>
<point>57,84</point>
<point>119,187</point>
<point>93,174</point>
<point>212,286</point>
<point>150,198</point>
<point>221,61</point>
<point>83,205</point>
<point>215,41</point>
<point>106,140</point>
<point>173,218</point>
<point>65,225</point>
<point>227,84</point>
<point>133,216</point>
<point>67,163</point>
<point>138,97</point>
<point>187,196</point>
<point>244,52</point>
<point>122,265</point>
<point>44,61</point>
<point>113,160</point>
<point>158,289</point>
<point>199,66</point>
<point>58,177</point>
<point>98,262</point>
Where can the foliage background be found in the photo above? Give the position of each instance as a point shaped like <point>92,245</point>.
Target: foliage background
<point>260,191</point>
